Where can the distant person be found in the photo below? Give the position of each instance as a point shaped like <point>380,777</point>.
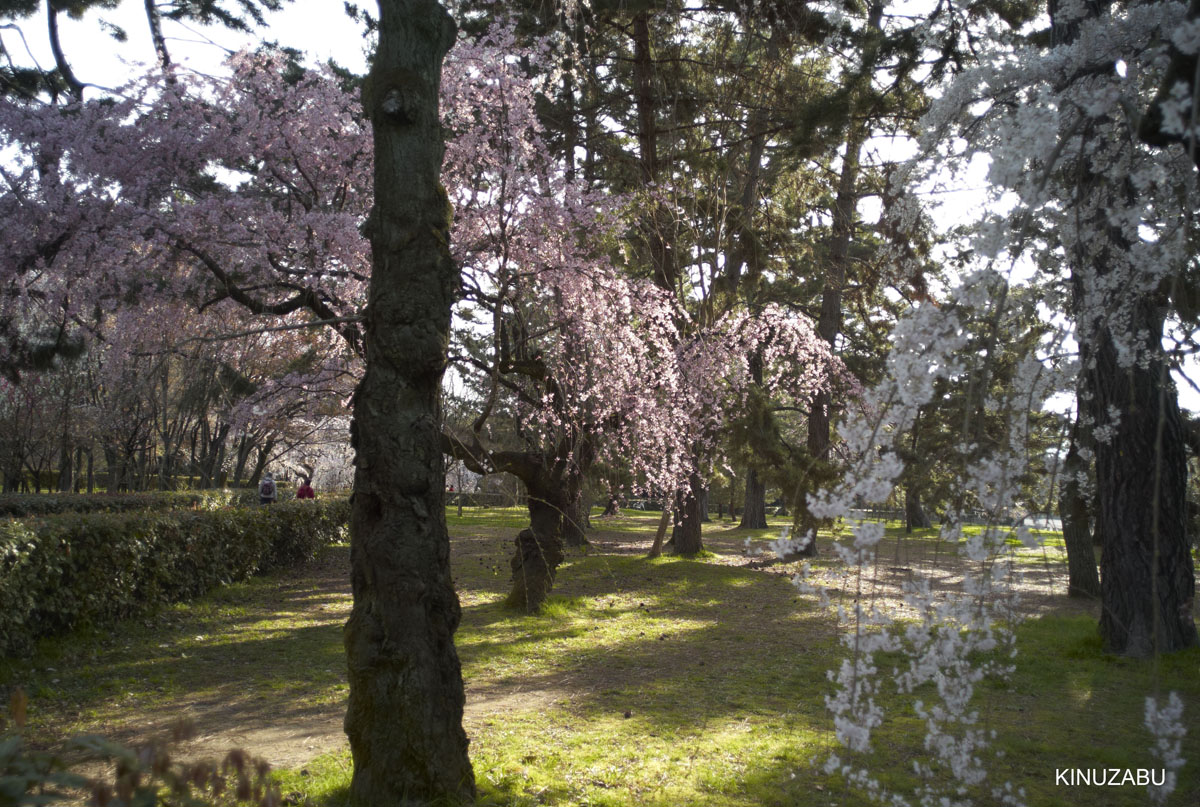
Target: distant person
<point>305,491</point>
<point>266,490</point>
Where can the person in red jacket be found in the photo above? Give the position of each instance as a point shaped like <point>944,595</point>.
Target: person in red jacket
<point>305,491</point>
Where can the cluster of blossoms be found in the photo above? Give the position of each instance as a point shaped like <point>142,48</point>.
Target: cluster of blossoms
<point>1166,727</point>
<point>954,640</point>
<point>1108,222</point>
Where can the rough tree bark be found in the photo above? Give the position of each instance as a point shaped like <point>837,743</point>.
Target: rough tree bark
<point>540,547</point>
<point>754,516</point>
<point>1147,580</point>
<point>404,716</point>
<point>687,536</point>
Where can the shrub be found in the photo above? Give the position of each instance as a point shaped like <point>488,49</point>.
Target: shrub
<point>61,571</point>
<point>24,505</point>
<point>142,775</point>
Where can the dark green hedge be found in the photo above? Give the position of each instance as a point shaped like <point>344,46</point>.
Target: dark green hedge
<point>64,570</point>
<point>24,505</point>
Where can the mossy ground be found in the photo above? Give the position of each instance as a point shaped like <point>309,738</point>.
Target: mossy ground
<point>659,682</point>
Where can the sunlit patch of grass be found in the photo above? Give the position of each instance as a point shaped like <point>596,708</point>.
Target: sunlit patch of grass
<point>323,781</point>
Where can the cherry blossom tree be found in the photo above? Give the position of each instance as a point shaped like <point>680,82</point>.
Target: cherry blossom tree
<point>1094,230</point>
<point>569,360</point>
<point>259,186</point>
<point>1110,223</point>
<point>249,193</point>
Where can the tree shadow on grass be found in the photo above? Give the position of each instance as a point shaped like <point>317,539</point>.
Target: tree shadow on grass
<point>270,638</point>
<point>678,642</point>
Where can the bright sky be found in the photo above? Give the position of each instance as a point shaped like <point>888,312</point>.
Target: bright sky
<point>318,27</point>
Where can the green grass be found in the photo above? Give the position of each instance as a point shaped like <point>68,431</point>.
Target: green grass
<point>665,682</point>
<point>254,646</point>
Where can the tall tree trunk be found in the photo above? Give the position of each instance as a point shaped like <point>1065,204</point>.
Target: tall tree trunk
<point>154,20</point>
<point>404,715</point>
<point>143,470</point>
<point>12,478</point>
<point>915,517</point>
<point>1082,578</point>
<point>110,468</point>
<point>687,536</point>
<point>539,549</point>
<point>66,468</point>
<point>842,230</point>
<point>243,456</point>
<point>575,519</point>
<point>74,85</point>
<point>214,458</point>
<point>754,516</point>
<point>1147,580</point>
<point>645,100</point>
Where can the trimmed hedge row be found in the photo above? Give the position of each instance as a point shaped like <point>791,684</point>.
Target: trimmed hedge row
<point>25,505</point>
<point>71,569</point>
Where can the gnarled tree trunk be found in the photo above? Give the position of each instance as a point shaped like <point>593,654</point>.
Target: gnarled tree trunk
<point>539,548</point>
<point>404,716</point>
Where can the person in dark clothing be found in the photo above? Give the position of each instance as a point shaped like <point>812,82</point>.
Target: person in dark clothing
<point>266,490</point>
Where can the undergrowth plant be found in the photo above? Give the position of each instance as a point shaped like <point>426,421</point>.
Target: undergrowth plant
<point>147,774</point>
